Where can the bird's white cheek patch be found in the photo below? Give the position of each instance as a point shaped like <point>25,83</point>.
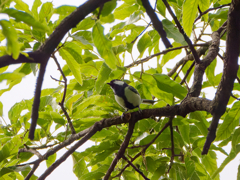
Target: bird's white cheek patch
<point>120,101</point>
<point>132,97</point>
<point>119,83</point>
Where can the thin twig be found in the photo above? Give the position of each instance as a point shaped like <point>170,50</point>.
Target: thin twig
<point>61,104</point>
<point>179,71</point>
<point>140,172</point>
<point>172,143</point>
<point>160,53</point>
<point>210,9</point>
<point>235,97</point>
<point>187,73</point>
<point>182,32</point>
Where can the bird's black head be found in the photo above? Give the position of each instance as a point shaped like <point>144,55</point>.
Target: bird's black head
<point>117,84</point>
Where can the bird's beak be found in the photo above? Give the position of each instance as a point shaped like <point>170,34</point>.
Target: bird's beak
<point>109,84</point>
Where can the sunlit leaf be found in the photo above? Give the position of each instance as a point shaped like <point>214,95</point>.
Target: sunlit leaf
<point>189,15</point>
<point>13,47</point>
<point>104,46</point>
<point>72,64</point>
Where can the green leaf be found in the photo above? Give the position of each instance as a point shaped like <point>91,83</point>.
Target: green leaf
<point>202,124</point>
<point>65,9</point>
<point>46,12</point>
<point>11,76</point>
<point>13,47</point>
<point>143,43</point>
<point>210,72</point>
<point>124,11</point>
<point>170,55</point>
<point>85,103</point>
<point>74,49</point>
<point>50,115</point>
<point>173,32</point>
<point>104,46</point>
<point>35,6</point>
<point>51,159</point>
<point>224,2</point>
<point>102,78</point>
<point>160,171</point>
<point>210,162</point>
<point>108,7</point>
<point>185,131</point>
<point>235,139</point>
<point>166,84</point>
<point>20,5</point>
<point>228,159</point>
<point>161,8</point>
<point>190,166</point>
<point>204,5</point>
<point>189,15</point>
<point>1,109</point>
<point>79,163</point>
<point>85,24</point>
<point>72,64</point>
<point>129,175</point>
<point>26,18</point>
<point>231,120</point>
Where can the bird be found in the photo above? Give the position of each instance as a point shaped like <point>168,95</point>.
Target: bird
<point>126,95</point>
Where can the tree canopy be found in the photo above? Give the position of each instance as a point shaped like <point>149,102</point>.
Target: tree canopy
<point>172,139</point>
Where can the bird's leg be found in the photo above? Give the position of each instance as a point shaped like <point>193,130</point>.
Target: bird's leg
<point>140,111</point>
<point>123,114</point>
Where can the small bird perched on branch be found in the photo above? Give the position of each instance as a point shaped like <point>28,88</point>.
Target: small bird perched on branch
<point>127,96</point>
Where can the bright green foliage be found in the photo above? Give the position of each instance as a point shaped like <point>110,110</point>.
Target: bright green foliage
<point>189,14</point>
<point>95,52</point>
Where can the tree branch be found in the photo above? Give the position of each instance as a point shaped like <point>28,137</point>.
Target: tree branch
<point>96,127</point>
<point>36,101</point>
<point>210,9</point>
<point>134,167</point>
<point>61,104</point>
<point>200,68</point>
<point>229,72</point>
<point>189,42</point>
<point>46,49</point>
<point>160,53</point>
<point>157,24</point>
<point>145,148</point>
<point>121,150</point>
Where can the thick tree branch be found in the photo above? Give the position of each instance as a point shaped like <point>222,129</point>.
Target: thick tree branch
<point>200,68</point>
<point>45,50</point>
<point>36,101</point>
<point>157,24</point>
<point>201,51</point>
<point>191,104</point>
<point>229,72</point>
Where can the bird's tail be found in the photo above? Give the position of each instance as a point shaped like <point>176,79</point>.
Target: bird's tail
<point>147,101</point>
